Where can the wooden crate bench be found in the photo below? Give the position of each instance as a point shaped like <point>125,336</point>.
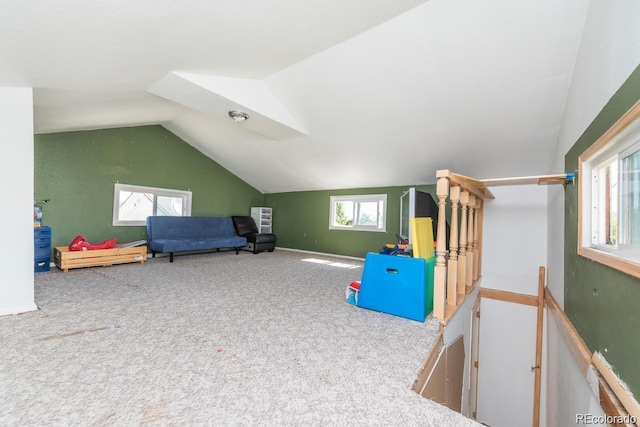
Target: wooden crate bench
<point>66,259</point>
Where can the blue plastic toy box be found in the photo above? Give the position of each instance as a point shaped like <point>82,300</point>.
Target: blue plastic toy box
<point>398,285</point>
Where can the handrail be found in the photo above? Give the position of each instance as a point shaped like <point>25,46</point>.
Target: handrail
<point>610,394</point>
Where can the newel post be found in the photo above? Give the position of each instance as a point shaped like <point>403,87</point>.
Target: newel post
<point>439,291</point>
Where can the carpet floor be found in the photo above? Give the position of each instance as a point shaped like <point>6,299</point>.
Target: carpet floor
<point>213,339</point>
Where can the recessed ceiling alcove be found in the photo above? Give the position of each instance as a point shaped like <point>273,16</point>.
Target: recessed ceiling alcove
<point>217,95</point>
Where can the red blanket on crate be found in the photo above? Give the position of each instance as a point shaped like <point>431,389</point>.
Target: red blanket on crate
<point>81,244</point>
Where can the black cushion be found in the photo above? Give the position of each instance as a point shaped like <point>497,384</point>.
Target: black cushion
<point>260,237</point>
<point>244,225</point>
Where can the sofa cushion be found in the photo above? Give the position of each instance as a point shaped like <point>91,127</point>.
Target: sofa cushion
<point>260,237</point>
<point>183,245</point>
<point>244,225</point>
<point>188,227</point>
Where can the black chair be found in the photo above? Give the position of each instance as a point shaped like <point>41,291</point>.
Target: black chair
<point>256,242</point>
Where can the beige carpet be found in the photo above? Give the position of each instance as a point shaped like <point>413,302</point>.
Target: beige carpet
<point>212,339</point>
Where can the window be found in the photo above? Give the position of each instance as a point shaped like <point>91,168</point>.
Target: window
<point>132,204</point>
<point>367,212</point>
<point>609,198</point>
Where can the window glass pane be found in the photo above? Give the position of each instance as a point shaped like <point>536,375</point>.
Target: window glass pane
<point>609,203</point>
<point>132,204</point>
<point>605,214</point>
<point>630,200</point>
<point>135,206</point>
<point>344,213</point>
<point>169,206</point>
<point>368,213</point>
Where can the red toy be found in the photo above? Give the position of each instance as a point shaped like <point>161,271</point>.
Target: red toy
<point>81,244</point>
<point>352,292</point>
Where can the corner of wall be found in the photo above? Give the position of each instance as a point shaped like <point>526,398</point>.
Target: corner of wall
<point>16,168</point>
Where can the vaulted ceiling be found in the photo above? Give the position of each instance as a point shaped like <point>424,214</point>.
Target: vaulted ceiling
<point>340,94</point>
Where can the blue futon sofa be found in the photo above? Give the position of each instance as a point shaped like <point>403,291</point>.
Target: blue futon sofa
<point>191,233</point>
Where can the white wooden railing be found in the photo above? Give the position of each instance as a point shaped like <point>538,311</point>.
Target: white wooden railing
<point>459,268</point>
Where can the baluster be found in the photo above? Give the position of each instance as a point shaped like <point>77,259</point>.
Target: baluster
<point>476,239</point>
<point>462,258</point>
<point>480,240</point>
<point>470,251</point>
<point>452,263</point>
<point>439,291</point>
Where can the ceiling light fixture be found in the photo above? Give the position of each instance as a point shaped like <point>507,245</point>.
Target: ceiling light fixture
<point>238,116</point>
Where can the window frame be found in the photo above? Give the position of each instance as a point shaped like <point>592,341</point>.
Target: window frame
<point>360,198</point>
<point>618,141</point>
<point>186,196</point>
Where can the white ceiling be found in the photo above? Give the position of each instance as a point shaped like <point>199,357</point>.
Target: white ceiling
<point>341,94</point>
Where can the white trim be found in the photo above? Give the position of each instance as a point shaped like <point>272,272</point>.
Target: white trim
<point>320,253</point>
<point>19,309</point>
<point>618,139</point>
<point>619,147</point>
<point>359,198</point>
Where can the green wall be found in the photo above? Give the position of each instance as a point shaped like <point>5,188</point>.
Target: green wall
<point>301,221</point>
<point>77,172</point>
<point>603,303</point>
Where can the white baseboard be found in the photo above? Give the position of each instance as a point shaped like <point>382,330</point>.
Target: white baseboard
<point>320,253</point>
<point>19,309</point>
<point>163,254</point>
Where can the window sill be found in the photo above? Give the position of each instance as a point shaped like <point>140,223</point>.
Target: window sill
<point>626,266</point>
<point>374,230</point>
